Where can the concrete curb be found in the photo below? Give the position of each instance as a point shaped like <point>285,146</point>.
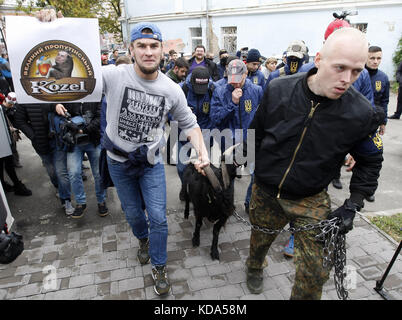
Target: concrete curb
<point>383,233</point>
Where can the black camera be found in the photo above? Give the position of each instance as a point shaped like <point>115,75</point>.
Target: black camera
<point>70,132</point>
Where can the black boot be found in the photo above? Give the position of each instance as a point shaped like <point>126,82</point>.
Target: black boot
<point>7,187</point>
<point>182,193</point>
<point>21,190</point>
<point>337,183</point>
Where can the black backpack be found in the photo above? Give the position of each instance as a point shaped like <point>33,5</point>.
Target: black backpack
<point>11,246</point>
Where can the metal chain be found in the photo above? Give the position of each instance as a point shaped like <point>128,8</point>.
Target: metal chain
<point>334,250</point>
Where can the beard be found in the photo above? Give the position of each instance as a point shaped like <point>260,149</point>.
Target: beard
<point>148,70</point>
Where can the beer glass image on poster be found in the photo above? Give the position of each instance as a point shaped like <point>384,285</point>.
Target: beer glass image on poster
<point>57,70</point>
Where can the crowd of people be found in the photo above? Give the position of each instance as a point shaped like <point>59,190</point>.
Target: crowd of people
<point>307,116</point>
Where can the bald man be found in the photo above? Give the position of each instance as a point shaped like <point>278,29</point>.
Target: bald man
<point>305,126</point>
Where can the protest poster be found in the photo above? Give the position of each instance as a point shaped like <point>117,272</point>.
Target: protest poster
<point>56,61</point>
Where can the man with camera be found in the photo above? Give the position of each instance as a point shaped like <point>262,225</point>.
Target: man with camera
<point>81,134</point>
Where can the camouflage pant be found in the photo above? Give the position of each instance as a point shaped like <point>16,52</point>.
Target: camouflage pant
<point>272,213</point>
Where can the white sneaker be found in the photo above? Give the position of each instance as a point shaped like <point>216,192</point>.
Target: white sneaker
<point>68,208</point>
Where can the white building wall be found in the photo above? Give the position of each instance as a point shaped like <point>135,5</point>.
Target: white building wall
<point>270,25</point>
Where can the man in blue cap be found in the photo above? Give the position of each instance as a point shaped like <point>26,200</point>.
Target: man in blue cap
<point>139,99</point>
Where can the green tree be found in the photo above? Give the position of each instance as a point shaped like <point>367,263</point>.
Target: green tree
<point>397,58</point>
<point>76,8</point>
<point>107,11</point>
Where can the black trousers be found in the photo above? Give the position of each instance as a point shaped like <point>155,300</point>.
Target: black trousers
<point>398,111</point>
<point>7,163</point>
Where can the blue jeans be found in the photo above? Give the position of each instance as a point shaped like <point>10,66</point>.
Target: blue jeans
<point>56,167</point>
<point>152,186</point>
<point>74,164</point>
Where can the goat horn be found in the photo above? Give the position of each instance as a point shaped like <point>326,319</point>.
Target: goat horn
<point>229,150</point>
<point>191,160</point>
<point>225,175</point>
<point>213,179</point>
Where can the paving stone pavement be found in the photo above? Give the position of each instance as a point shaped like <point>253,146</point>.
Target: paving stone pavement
<point>101,264</point>
<point>95,258</point>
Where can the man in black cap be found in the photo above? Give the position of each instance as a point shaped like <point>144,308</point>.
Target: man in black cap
<point>198,89</point>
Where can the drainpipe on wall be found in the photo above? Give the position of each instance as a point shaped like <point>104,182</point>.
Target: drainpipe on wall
<point>207,24</point>
<point>127,24</point>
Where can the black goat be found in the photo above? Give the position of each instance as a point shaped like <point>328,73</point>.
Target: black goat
<point>212,197</point>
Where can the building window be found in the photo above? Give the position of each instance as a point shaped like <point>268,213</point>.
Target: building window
<point>360,26</point>
<point>229,36</point>
<point>196,37</point>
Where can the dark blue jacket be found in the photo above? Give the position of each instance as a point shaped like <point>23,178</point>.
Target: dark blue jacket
<point>362,84</point>
<point>225,114</point>
<point>380,86</point>
<point>5,68</point>
<point>170,65</point>
<point>276,74</point>
<point>200,105</point>
<point>221,70</point>
<point>257,78</point>
<point>221,82</point>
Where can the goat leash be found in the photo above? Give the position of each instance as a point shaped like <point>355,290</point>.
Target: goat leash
<point>334,250</point>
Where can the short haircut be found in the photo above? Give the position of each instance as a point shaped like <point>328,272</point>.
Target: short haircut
<point>181,63</point>
<point>123,60</point>
<point>373,49</point>
<point>147,31</point>
<point>200,46</point>
<point>270,60</point>
<point>172,52</point>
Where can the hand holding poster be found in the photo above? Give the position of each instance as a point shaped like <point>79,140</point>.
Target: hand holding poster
<point>55,61</point>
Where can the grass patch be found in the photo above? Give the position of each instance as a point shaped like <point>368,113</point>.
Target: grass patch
<point>392,225</point>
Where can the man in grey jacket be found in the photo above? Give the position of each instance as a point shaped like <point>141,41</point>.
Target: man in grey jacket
<point>139,98</point>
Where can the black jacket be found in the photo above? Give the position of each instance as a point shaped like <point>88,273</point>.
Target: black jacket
<point>302,140</point>
<point>399,74</point>
<point>212,68</point>
<point>32,120</point>
<point>92,128</point>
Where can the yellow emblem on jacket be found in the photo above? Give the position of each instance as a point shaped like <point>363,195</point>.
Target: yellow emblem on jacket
<point>377,141</point>
<point>248,106</point>
<point>293,66</point>
<point>255,80</point>
<point>205,107</point>
<point>378,86</point>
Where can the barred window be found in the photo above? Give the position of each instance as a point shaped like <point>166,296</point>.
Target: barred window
<point>196,37</point>
<point>229,36</point>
